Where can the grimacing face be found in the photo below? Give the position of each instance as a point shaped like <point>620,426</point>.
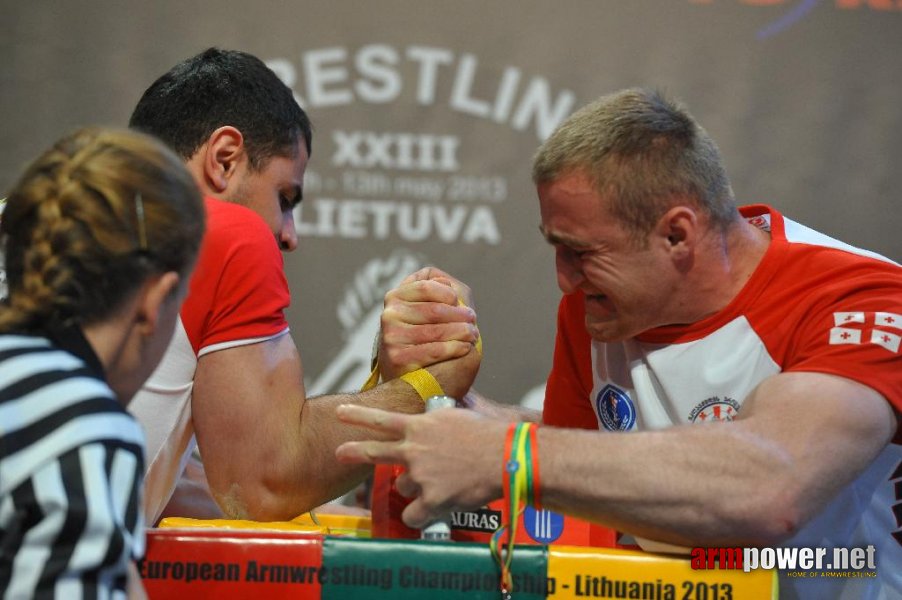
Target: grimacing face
<point>627,285</point>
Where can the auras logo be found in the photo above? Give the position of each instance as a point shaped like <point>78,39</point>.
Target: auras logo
<point>794,11</point>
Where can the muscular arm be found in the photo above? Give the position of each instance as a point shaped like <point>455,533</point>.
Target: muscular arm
<point>800,439</point>
<point>269,452</point>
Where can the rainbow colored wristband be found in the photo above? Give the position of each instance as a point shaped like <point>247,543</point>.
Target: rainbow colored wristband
<point>520,484</point>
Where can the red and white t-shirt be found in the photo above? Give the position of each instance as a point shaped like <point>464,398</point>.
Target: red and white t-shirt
<point>813,304</point>
<point>237,296</point>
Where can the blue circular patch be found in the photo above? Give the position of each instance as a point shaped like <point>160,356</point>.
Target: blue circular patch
<point>615,409</point>
<point>544,526</point>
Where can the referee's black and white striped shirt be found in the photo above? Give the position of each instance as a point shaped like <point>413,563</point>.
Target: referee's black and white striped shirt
<point>71,471</point>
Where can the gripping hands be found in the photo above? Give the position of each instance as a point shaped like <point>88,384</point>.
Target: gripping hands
<point>428,321</point>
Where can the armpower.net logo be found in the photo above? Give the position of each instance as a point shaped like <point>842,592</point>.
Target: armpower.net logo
<point>796,562</point>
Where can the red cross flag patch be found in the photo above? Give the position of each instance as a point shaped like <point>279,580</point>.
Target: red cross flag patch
<point>852,328</point>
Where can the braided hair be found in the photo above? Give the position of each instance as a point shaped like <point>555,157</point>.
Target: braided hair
<point>89,221</point>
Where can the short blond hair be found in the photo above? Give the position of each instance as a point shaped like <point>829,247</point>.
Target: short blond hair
<point>641,150</point>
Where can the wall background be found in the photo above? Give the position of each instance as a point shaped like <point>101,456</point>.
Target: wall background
<point>427,113</point>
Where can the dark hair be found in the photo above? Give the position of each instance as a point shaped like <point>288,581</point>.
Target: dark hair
<point>642,150</point>
<point>89,221</point>
<point>218,88</point>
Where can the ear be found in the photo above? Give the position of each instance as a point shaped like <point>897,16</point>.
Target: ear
<point>220,157</point>
<point>153,296</point>
<point>678,230</point>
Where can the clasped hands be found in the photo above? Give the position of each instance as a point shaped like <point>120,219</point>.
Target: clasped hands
<point>450,455</point>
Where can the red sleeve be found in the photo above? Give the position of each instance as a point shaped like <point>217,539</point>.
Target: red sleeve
<point>238,291</point>
<point>567,402</point>
<point>855,331</point>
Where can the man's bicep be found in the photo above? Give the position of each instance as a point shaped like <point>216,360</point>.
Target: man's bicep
<point>245,405</point>
<point>828,427</point>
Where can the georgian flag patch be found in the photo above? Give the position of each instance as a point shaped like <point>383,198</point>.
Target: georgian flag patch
<point>881,328</point>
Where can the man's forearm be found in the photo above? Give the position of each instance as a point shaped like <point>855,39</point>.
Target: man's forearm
<point>323,433</point>
<point>697,484</point>
<point>285,460</point>
<point>799,440</point>
<point>309,475</point>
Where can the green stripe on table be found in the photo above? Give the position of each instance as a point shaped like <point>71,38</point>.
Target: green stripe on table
<point>408,570</point>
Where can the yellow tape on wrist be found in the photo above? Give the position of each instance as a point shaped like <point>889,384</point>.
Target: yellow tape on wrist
<point>373,378</point>
<point>424,383</point>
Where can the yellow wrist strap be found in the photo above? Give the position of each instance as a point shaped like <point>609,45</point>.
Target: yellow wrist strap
<point>424,383</point>
<point>373,378</point>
